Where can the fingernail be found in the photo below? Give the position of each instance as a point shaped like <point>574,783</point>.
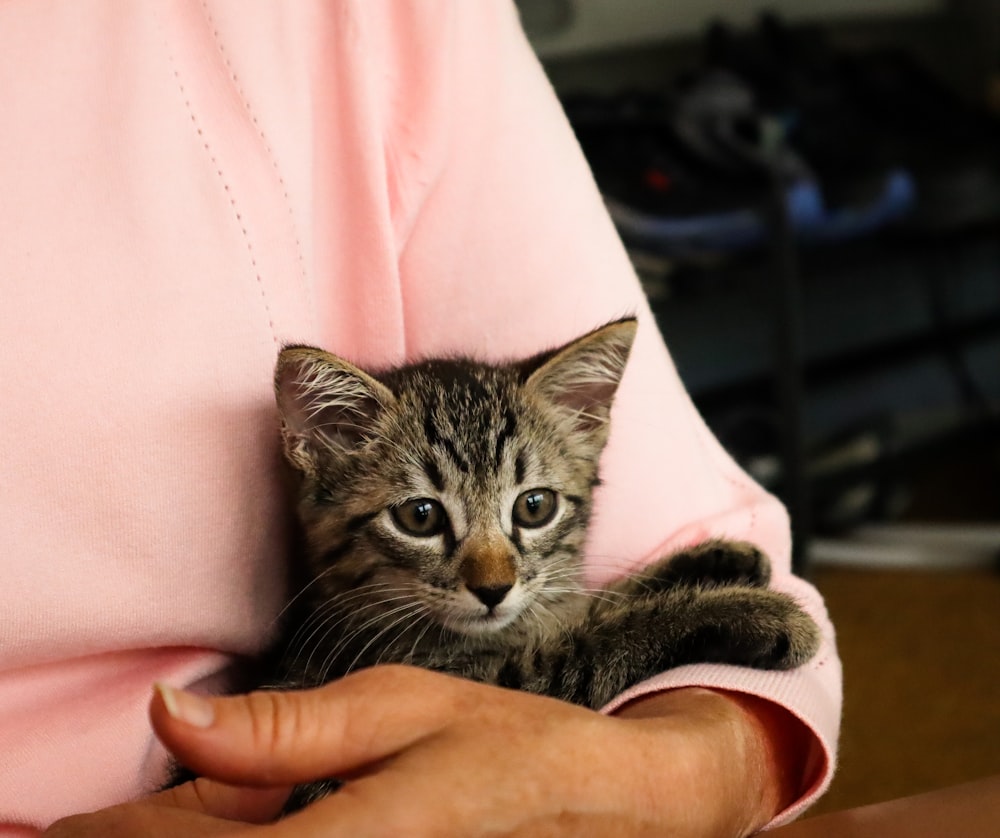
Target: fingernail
<point>186,707</point>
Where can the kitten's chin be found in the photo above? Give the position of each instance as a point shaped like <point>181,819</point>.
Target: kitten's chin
<point>481,625</point>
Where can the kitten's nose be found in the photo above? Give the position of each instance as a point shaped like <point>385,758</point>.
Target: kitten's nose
<point>491,595</point>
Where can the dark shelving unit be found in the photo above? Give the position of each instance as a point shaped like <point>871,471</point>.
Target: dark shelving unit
<point>780,280</point>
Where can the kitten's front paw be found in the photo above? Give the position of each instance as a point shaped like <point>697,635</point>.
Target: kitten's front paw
<point>716,563</point>
<point>786,636</point>
<point>752,627</point>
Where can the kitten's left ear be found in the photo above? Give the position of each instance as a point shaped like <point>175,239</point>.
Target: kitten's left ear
<point>328,406</point>
<point>583,376</point>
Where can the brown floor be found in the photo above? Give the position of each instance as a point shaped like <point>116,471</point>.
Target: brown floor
<point>921,655</point>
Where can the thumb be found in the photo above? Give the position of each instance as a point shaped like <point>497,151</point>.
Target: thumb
<point>276,738</point>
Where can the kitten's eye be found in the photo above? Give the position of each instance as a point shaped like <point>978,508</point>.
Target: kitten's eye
<point>535,508</point>
<point>421,517</point>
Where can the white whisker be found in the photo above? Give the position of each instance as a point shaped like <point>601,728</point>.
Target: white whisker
<point>346,640</point>
<point>335,603</point>
<point>410,610</point>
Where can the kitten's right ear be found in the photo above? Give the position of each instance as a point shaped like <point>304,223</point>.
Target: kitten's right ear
<point>327,405</point>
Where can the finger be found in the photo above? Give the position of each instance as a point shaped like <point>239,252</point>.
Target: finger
<point>278,738</point>
<point>221,800</point>
<point>139,820</point>
<point>198,808</point>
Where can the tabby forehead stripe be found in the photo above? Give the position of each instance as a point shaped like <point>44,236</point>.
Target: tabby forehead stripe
<point>430,430</point>
<point>460,461</point>
<point>506,432</point>
<point>434,473</point>
<point>519,467</point>
<point>435,438</point>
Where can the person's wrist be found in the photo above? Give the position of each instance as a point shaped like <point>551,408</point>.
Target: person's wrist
<point>742,756</point>
<point>785,747</point>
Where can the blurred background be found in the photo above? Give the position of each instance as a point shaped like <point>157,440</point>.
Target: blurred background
<point>810,192</point>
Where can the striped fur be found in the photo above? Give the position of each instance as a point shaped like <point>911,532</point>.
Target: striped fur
<point>429,537</point>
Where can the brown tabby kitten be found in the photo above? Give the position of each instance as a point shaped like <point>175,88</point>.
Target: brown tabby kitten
<point>444,506</point>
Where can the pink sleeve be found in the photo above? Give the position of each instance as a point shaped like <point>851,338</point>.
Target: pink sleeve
<point>506,248</point>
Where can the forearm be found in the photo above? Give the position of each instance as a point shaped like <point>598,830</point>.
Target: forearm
<point>746,760</point>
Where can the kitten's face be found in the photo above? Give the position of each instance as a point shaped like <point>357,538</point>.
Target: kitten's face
<point>450,493</point>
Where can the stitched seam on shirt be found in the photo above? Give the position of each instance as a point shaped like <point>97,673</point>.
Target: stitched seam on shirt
<point>272,156</point>
<point>225,186</point>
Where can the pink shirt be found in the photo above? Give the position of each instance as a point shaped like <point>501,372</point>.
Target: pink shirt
<point>186,186</point>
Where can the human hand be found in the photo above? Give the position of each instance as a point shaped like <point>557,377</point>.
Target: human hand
<point>426,754</point>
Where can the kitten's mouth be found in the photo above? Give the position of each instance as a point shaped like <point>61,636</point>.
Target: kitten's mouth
<point>466,613</point>
<point>490,622</point>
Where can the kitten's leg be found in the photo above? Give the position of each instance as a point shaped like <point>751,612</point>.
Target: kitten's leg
<point>754,627</point>
<point>711,564</point>
<point>636,639</point>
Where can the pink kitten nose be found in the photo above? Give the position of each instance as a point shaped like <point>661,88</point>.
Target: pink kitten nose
<point>491,595</point>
